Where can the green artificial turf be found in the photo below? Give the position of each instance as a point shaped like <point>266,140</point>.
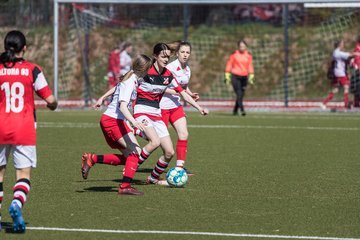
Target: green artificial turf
<point>291,174</point>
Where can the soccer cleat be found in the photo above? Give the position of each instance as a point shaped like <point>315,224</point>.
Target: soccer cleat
<point>151,180</point>
<point>86,163</point>
<point>243,113</point>
<point>18,220</point>
<point>129,191</point>
<point>188,172</point>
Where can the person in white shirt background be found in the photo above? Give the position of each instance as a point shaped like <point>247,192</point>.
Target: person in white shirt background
<point>341,58</point>
<point>125,58</point>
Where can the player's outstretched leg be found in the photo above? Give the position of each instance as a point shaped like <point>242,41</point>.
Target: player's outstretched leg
<point>16,215</point>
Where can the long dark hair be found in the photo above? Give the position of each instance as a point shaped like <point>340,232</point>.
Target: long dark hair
<point>14,43</point>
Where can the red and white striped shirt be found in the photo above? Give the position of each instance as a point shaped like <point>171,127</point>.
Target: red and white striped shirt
<point>150,91</point>
<point>182,75</point>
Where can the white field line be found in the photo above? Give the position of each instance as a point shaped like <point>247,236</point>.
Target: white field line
<point>275,127</point>
<point>187,233</point>
<point>96,125</point>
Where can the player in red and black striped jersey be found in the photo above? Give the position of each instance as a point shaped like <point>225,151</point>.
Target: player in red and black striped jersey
<point>18,80</point>
<point>147,108</point>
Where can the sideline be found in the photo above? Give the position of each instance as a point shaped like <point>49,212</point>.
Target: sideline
<point>187,233</point>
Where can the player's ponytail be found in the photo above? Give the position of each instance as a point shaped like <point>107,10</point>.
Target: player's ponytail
<point>140,66</point>
<point>14,43</point>
<point>176,45</point>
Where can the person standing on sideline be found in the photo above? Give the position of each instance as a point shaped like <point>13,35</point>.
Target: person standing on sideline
<point>340,59</point>
<point>117,131</point>
<point>239,71</point>
<point>18,80</point>
<point>171,108</point>
<point>125,59</point>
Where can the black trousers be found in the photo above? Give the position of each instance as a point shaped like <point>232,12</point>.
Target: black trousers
<point>239,84</point>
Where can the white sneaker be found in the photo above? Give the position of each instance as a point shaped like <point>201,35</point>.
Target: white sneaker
<point>322,106</point>
<point>150,180</point>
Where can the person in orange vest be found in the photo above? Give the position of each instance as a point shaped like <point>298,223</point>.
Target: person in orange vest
<point>239,71</point>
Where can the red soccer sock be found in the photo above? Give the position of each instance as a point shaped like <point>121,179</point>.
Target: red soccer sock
<point>130,169</point>
<point>329,97</point>
<point>181,149</point>
<point>110,159</point>
<point>346,100</point>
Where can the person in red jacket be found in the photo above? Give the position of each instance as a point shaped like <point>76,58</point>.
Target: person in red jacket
<point>239,71</point>
<point>114,67</point>
<point>19,79</point>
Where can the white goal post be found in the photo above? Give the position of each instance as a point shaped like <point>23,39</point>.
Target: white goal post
<point>308,3</point>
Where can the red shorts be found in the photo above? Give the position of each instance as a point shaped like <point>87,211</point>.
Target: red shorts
<point>172,115</point>
<point>343,81</point>
<point>114,129</point>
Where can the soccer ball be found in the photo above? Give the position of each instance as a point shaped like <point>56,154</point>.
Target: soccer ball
<point>176,177</point>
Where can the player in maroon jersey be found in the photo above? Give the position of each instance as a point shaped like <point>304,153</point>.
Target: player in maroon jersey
<point>18,80</point>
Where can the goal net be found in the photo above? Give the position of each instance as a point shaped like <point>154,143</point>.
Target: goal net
<point>89,32</point>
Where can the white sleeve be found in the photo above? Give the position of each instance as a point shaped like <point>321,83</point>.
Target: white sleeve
<point>175,85</point>
<point>40,81</point>
<point>172,66</point>
<point>126,90</point>
<point>341,55</point>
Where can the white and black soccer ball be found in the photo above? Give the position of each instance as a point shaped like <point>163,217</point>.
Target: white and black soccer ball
<point>176,177</point>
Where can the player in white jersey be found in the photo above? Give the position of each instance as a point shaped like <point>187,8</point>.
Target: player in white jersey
<point>341,60</point>
<point>171,108</point>
<point>147,108</point>
<point>115,124</point>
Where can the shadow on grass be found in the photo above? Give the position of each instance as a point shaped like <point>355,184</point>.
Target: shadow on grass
<point>144,170</point>
<point>110,188</point>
